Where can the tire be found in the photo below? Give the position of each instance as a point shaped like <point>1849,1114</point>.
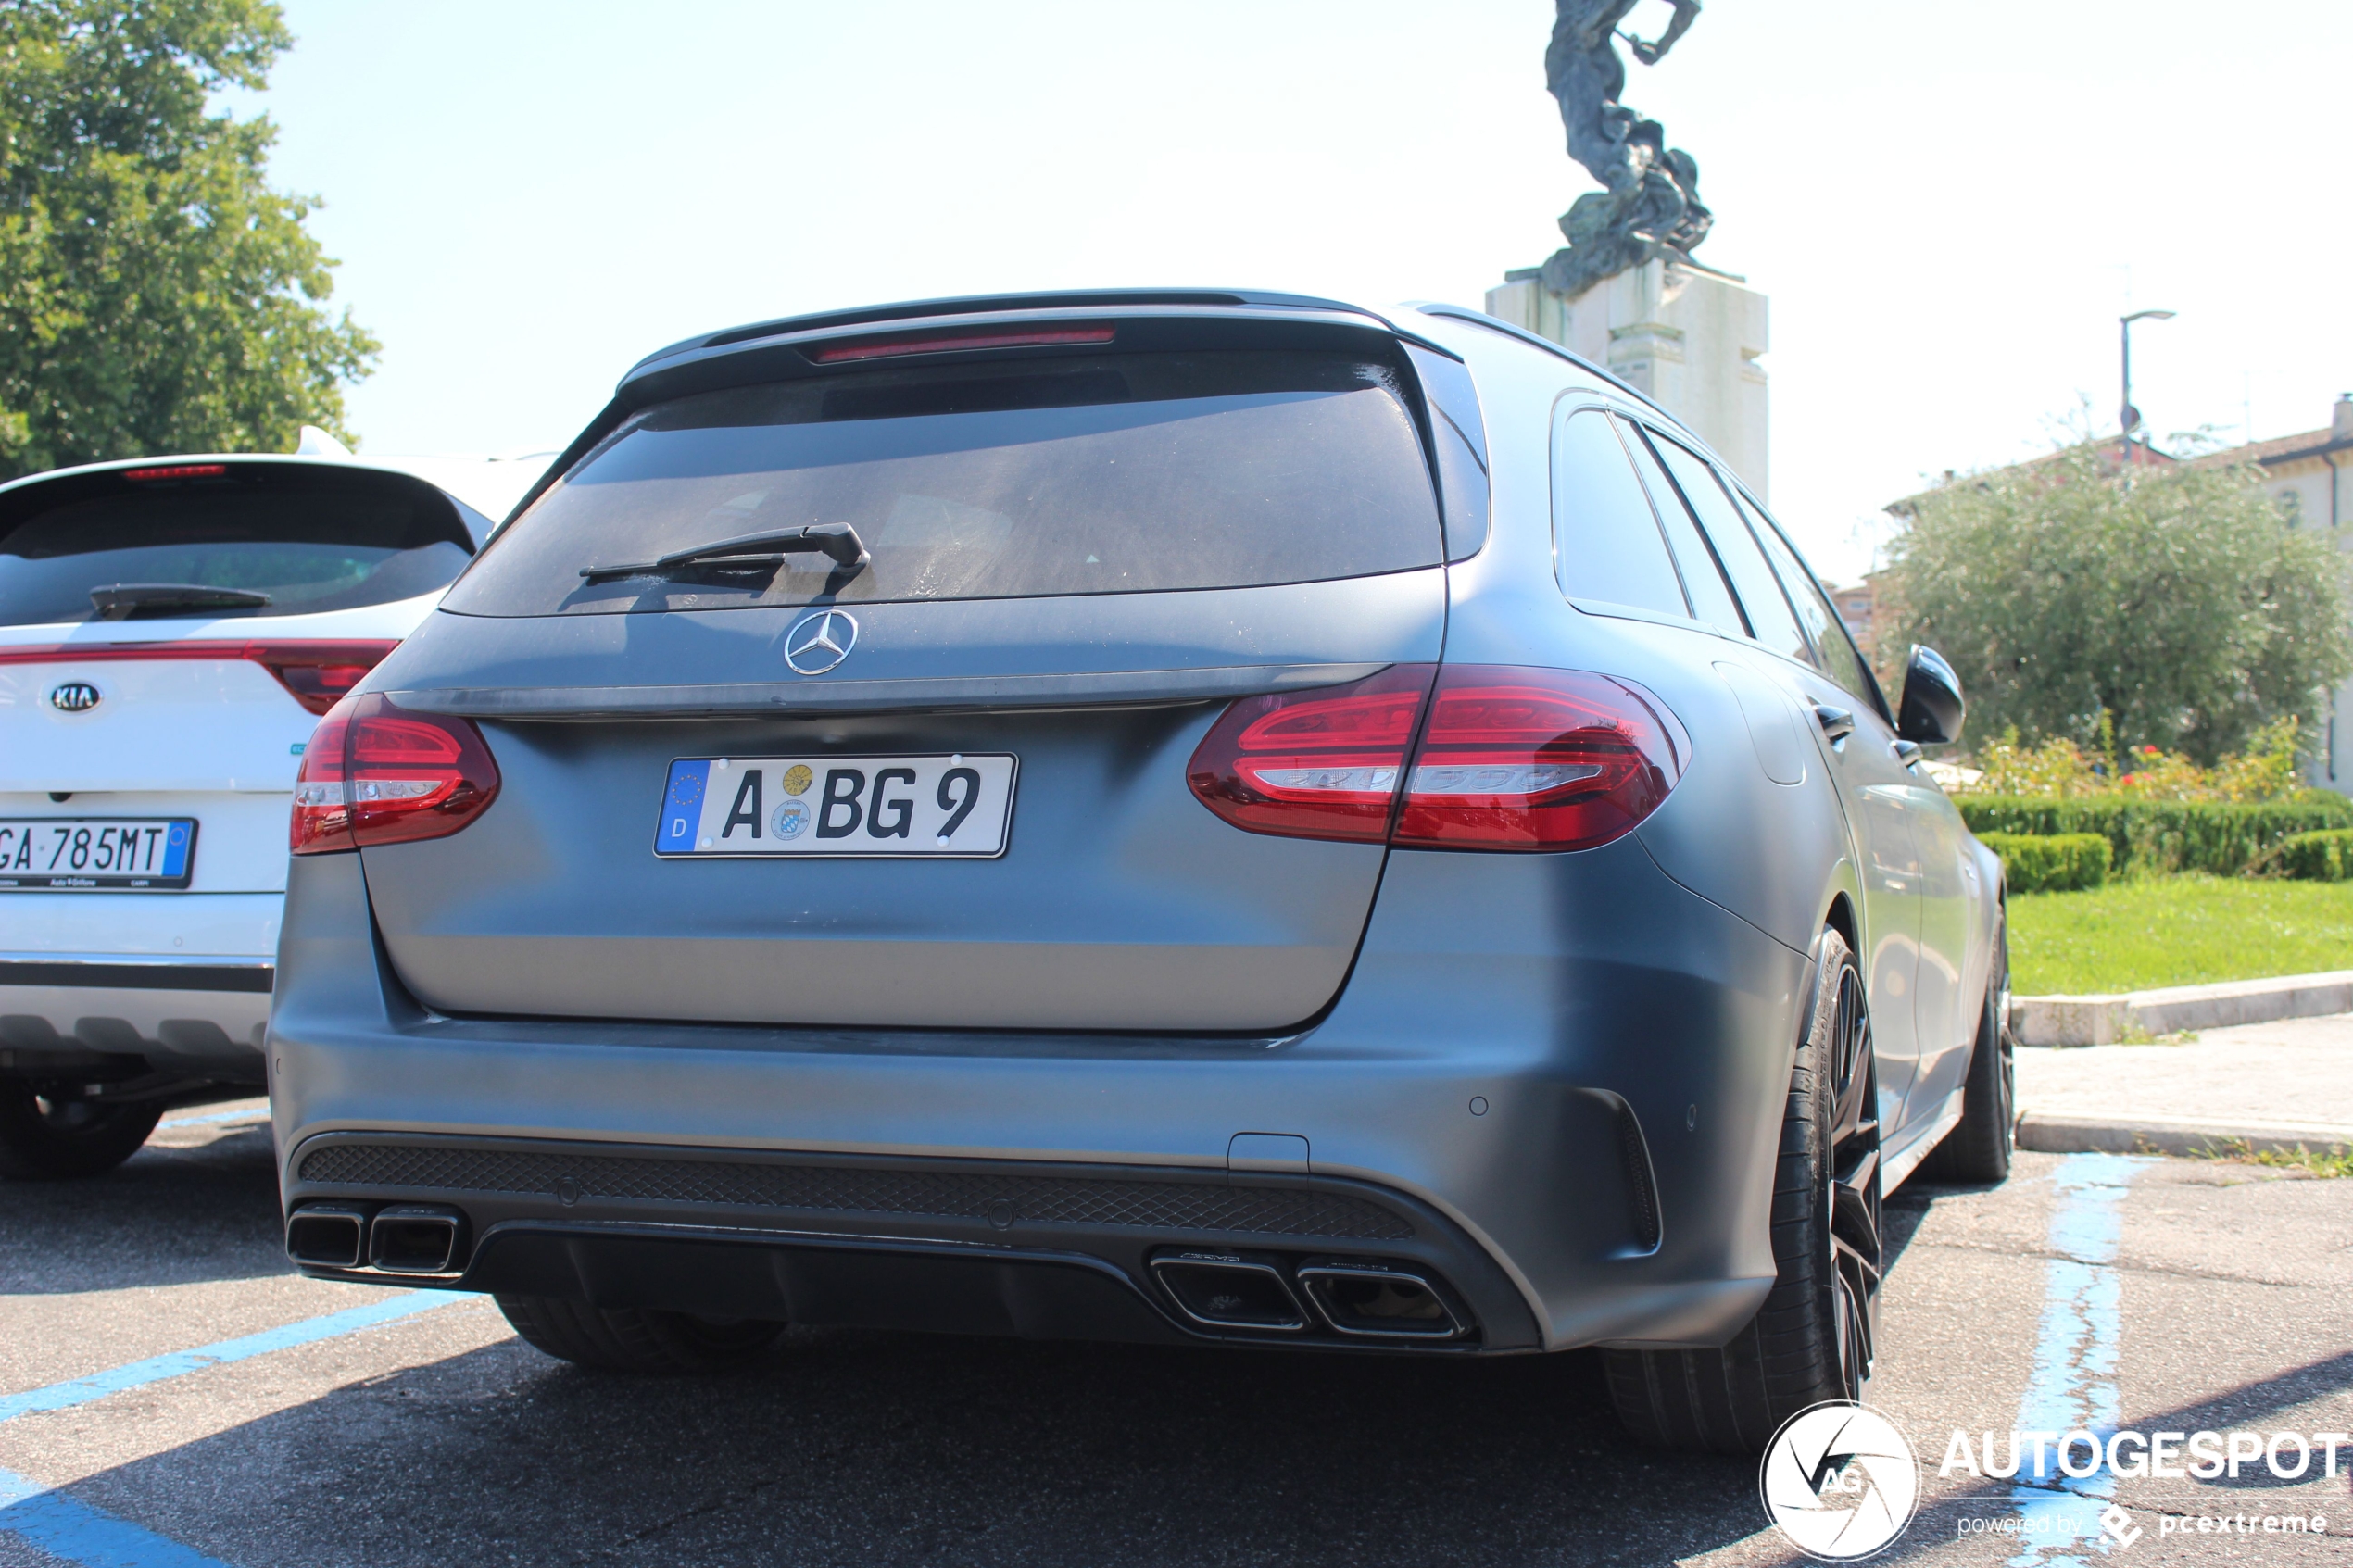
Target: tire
<point>635,1339</point>
<point>1979,1147</point>
<point>45,1139</point>
<point>1812,1339</point>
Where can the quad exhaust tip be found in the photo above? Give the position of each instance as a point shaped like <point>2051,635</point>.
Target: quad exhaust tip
<point>327,1235</point>
<point>414,1238</point>
<point>1380,1301</point>
<point>1230,1291</point>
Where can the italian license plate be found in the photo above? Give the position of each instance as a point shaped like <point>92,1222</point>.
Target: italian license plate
<point>955,803</point>
<point>84,854</point>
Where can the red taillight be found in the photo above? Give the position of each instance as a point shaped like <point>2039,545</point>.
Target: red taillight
<point>1318,764</point>
<point>1511,759</point>
<point>373,773</point>
<point>1519,758</point>
<point>315,674</point>
<point>319,675</point>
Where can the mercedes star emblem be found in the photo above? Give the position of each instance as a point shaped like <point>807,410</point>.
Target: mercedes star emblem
<point>74,697</point>
<point>819,642</point>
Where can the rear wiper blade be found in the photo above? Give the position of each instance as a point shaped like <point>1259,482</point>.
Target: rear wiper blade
<point>835,539</point>
<point>120,601</point>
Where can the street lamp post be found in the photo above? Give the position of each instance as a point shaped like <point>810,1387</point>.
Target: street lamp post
<point>2130,416</point>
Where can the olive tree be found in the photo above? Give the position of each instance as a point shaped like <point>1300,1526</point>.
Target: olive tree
<point>2175,598</point>
<point>156,294</point>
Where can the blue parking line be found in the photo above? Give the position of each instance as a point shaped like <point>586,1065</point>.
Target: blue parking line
<point>178,1363</point>
<point>2073,1384</point>
<point>79,1533</point>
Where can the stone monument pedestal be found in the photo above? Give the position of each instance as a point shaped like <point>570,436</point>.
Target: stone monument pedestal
<point>1686,335</point>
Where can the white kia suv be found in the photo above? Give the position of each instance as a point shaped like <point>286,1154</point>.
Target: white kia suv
<point>171,630</point>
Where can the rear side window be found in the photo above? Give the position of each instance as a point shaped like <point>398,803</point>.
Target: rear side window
<point>1839,659</point>
<point>1607,546</point>
<point>1096,475</point>
<point>1761,593</point>
<point>1711,600</point>
<point>206,539</point>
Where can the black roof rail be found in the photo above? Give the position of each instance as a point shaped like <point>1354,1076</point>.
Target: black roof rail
<point>973,305</point>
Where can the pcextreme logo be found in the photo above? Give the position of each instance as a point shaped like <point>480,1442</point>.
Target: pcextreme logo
<point>1839,1481</point>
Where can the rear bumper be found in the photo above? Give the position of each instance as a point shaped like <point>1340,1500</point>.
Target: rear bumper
<point>201,1017</point>
<point>1553,1082</point>
<point>181,979</point>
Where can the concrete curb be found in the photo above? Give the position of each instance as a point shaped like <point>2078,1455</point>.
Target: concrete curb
<point>2103,1020</point>
<point>2064,1134</point>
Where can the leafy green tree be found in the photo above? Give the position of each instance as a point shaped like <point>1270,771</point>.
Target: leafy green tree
<point>2173,598</point>
<point>156,294</point>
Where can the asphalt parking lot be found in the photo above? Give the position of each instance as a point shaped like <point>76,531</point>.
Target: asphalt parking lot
<point>331,1423</point>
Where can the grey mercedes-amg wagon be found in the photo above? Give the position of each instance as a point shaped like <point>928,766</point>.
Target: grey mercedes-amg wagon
<point>1172,817</point>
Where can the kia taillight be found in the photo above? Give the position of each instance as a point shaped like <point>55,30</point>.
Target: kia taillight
<point>373,773</point>
<point>1509,758</point>
<point>315,675</point>
<point>319,675</point>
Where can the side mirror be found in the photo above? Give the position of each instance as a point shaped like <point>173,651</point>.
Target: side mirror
<point>1933,706</point>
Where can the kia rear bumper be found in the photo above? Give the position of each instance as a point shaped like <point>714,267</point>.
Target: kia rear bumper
<point>179,981</point>
<point>1542,1114</point>
<point>104,1015</point>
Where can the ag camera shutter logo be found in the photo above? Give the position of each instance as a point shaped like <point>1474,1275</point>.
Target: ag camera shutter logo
<point>1839,1481</point>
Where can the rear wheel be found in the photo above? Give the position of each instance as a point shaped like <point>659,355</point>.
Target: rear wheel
<point>637,1339</point>
<point>1812,1339</point>
<point>46,1133</point>
<point>1979,1147</point>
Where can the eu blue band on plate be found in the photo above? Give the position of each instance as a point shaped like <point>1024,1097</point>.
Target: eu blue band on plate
<point>682,804</point>
<point>175,850</point>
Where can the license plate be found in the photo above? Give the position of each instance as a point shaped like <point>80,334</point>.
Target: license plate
<point>85,854</point>
<point>954,803</point>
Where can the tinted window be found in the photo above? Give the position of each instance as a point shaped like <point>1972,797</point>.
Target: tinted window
<point>1461,438</point>
<point>244,539</point>
<point>1838,658</point>
<point>1111,474</point>
<point>1605,542</point>
<point>1711,600</point>
<point>1761,593</point>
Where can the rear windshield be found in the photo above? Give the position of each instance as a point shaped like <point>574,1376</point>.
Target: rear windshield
<point>245,540</point>
<point>1112,474</point>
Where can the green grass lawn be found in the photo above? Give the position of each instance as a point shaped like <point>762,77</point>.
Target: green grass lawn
<point>2177,931</point>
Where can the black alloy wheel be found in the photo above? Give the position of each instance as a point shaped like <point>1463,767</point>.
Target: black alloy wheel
<point>1813,1339</point>
<point>49,1131</point>
<point>1857,1257</point>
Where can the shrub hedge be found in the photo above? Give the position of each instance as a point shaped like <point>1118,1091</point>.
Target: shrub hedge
<point>2060,863</point>
<point>2162,836</point>
<point>2314,856</point>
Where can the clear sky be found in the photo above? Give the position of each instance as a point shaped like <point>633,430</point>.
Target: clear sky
<point>1948,201</point>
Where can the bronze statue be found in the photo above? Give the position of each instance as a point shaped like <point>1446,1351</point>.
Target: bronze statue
<point>1649,204</point>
